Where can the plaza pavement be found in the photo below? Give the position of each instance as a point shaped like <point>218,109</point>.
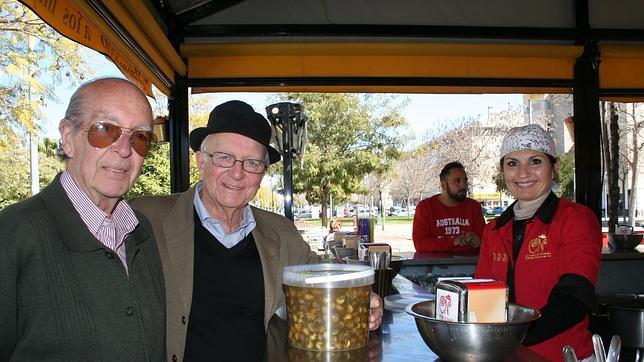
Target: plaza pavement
<point>396,235</point>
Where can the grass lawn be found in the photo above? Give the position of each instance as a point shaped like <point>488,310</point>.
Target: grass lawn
<point>388,220</point>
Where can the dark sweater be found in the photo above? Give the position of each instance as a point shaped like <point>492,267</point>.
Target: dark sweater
<point>65,297</point>
<point>227,314</point>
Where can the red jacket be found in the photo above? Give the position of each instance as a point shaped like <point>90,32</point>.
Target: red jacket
<point>568,243</point>
<point>436,225</point>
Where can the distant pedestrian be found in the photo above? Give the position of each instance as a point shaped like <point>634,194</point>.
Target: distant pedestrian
<point>334,226</point>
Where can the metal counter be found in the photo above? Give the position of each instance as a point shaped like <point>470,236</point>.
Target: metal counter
<point>396,340</point>
<point>620,271</point>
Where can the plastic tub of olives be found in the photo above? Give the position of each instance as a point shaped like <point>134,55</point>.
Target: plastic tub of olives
<point>328,305</point>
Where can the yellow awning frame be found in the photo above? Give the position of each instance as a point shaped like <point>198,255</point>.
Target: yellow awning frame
<point>621,69</point>
<point>108,32</point>
<point>144,38</point>
<point>407,60</point>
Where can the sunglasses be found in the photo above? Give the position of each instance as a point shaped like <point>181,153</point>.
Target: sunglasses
<point>103,134</point>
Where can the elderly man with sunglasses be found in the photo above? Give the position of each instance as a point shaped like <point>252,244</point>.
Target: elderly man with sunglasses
<point>80,275</point>
<point>223,259</point>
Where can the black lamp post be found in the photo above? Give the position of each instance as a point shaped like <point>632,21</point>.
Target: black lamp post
<point>289,127</point>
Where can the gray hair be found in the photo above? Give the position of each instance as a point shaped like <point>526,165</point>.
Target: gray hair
<point>73,115</point>
<point>77,107</point>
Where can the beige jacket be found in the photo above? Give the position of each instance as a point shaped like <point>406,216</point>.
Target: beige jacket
<point>172,218</point>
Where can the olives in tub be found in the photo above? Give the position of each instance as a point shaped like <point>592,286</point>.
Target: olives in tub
<point>328,306</point>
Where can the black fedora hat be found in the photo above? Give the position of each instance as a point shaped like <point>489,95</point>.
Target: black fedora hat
<point>236,117</point>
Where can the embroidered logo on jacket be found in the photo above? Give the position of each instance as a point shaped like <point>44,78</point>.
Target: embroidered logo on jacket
<point>499,257</point>
<point>537,248</point>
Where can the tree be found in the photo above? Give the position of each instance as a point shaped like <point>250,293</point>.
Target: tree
<point>630,130</point>
<point>412,176</point>
<point>612,164</point>
<point>377,183</point>
<point>155,173</point>
<point>566,175</point>
<point>474,143</point>
<point>349,136</point>
<point>33,59</point>
<point>14,173</point>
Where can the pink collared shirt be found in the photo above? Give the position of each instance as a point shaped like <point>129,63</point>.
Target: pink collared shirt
<point>111,232</point>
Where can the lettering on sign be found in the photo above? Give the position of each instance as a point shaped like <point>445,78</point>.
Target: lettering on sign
<point>49,5</point>
<point>75,22</point>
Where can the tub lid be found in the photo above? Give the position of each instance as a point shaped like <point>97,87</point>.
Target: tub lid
<point>328,275</point>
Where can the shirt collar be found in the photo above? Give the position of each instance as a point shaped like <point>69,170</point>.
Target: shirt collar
<point>545,212</point>
<point>123,217</point>
<point>247,214</point>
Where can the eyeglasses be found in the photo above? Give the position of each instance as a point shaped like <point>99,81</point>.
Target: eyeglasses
<point>221,159</point>
<point>103,134</point>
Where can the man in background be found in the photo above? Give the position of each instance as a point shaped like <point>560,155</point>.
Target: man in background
<point>450,221</point>
<point>80,275</point>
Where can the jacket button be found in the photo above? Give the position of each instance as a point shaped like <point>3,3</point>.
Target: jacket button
<point>174,358</point>
<point>129,311</point>
<point>183,320</point>
<point>109,255</point>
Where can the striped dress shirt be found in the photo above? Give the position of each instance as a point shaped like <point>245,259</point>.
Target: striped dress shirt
<point>110,231</point>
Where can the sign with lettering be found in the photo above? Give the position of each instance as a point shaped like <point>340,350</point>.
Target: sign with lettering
<point>63,16</point>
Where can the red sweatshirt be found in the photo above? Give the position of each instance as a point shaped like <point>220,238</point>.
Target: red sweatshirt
<point>436,225</point>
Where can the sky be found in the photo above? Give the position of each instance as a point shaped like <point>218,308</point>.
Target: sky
<point>423,112</point>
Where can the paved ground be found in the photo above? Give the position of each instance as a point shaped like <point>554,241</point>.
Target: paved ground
<point>396,235</point>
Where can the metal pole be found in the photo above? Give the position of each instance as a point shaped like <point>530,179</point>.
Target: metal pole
<point>587,128</point>
<point>178,134</point>
<point>285,119</point>
<point>287,157</point>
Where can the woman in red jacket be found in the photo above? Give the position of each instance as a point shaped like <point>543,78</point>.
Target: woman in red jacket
<point>546,249</point>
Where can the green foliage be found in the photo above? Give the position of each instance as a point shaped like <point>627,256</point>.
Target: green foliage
<point>349,136</point>
<point>499,181</point>
<point>155,173</point>
<point>14,176</point>
<point>33,58</point>
<point>567,175</point>
<point>15,172</point>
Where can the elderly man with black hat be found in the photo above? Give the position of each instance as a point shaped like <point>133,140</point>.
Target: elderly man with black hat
<point>223,273</point>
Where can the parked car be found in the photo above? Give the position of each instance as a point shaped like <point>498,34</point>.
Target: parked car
<point>487,211</point>
<point>304,214</point>
<point>498,210</point>
<point>400,211</point>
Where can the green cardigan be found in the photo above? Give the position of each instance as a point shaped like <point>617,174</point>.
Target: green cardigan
<point>66,297</point>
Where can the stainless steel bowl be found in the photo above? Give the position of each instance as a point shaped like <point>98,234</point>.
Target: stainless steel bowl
<point>454,341</point>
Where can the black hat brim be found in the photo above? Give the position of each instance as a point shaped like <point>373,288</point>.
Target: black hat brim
<point>198,134</point>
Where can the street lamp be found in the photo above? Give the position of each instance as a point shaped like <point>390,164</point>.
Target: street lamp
<point>289,128</point>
